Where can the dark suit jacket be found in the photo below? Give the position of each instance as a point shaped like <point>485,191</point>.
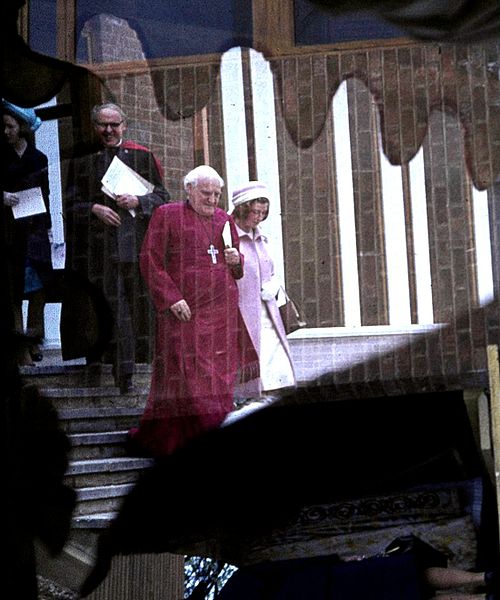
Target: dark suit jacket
<point>91,245</point>
<point>93,249</point>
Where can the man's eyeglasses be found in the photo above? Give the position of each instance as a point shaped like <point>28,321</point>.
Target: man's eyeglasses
<point>106,125</point>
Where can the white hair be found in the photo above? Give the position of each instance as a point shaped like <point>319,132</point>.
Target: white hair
<point>202,172</point>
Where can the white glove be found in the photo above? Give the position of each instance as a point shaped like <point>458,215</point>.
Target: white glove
<point>270,289</point>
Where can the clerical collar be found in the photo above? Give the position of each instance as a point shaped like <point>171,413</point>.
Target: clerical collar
<point>114,148</point>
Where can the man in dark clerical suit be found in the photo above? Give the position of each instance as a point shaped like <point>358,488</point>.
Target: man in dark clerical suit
<point>104,236</point>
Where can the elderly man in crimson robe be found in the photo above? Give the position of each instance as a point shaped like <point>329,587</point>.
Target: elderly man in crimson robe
<point>190,262</point>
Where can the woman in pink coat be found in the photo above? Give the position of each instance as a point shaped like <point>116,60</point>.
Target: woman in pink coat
<point>258,289</point>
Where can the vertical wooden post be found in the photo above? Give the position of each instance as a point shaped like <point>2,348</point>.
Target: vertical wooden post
<point>66,27</point>
<point>494,381</point>
<point>273,26</point>
<point>23,22</point>
<point>200,146</point>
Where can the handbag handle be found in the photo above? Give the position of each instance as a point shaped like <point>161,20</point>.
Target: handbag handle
<point>294,306</point>
<point>287,297</point>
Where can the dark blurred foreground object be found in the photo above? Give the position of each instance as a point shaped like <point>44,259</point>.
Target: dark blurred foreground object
<point>321,577</point>
<point>408,568</point>
<point>444,20</point>
<point>248,477</point>
<point>42,452</point>
<point>30,78</point>
<point>37,503</point>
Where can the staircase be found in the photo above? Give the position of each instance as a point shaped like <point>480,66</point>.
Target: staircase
<point>96,418</point>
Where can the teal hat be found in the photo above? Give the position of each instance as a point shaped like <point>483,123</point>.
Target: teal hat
<point>28,115</point>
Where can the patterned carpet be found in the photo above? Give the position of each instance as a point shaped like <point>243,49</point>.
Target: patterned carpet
<point>445,516</point>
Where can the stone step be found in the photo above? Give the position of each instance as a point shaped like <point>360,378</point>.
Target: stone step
<point>96,418</point>
<point>99,419</point>
<point>94,397</point>
<point>105,472</point>
<point>101,499</point>
<point>59,375</point>
<point>83,480</point>
<point>60,576</point>
<point>94,521</point>
<point>106,444</point>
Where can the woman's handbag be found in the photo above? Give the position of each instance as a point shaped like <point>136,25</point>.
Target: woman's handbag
<point>290,315</point>
<point>424,553</point>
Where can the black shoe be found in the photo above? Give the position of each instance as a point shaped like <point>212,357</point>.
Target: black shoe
<point>134,448</point>
<point>125,384</point>
<point>36,355</point>
<point>93,359</point>
<point>92,374</point>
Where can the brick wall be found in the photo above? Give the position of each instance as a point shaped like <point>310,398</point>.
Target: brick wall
<point>358,366</point>
<point>444,99</point>
<point>441,98</point>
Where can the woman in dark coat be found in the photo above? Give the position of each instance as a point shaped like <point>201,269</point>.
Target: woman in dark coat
<point>27,243</point>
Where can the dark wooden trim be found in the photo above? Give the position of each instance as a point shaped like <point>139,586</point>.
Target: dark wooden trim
<point>273,26</point>
<point>66,27</point>
<point>349,47</point>
<point>249,117</point>
<point>23,22</point>
<point>410,242</point>
<point>382,306</point>
<point>201,147</point>
<point>137,67</point>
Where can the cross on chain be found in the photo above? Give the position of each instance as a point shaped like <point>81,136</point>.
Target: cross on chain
<point>212,250</point>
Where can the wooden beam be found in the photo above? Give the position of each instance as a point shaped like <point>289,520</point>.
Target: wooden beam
<point>66,27</point>
<point>23,23</point>
<point>200,133</point>
<point>273,26</point>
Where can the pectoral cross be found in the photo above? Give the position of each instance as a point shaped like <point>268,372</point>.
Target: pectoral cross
<point>212,250</point>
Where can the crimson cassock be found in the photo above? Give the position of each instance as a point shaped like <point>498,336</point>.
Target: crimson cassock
<point>196,363</point>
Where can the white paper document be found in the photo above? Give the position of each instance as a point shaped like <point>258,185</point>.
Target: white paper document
<point>226,235</point>
<point>30,203</point>
<point>120,179</point>
<point>58,253</point>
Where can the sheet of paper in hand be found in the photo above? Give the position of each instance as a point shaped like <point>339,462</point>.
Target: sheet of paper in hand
<point>226,236</point>
<point>121,179</point>
<point>58,255</point>
<point>30,203</point>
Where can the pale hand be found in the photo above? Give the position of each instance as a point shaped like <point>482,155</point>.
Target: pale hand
<point>270,289</point>
<point>10,199</point>
<point>232,257</point>
<point>181,310</point>
<point>127,201</point>
<point>107,215</point>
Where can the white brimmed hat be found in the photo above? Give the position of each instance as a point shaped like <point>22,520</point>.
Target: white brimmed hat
<point>250,191</point>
